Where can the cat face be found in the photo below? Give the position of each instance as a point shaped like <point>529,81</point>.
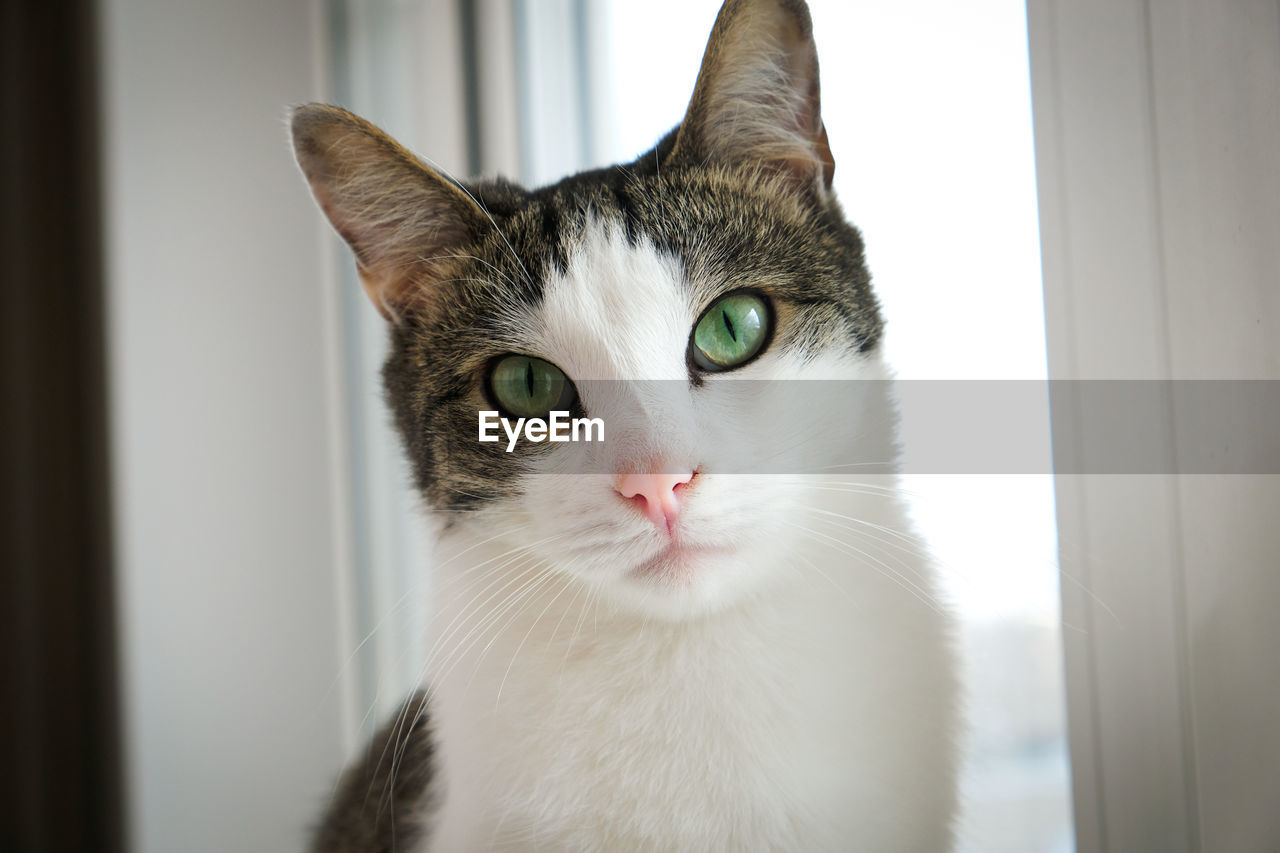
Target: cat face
<point>618,317</point>
<point>684,300</point>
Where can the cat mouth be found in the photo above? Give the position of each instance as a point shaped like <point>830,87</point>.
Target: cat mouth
<point>677,563</point>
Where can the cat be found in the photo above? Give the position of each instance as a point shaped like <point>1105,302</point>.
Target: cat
<point>651,643</point>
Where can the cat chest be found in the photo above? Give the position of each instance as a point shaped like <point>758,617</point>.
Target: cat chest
<point>678,751</point>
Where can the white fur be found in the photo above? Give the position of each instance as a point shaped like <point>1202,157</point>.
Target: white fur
<point>794,692</point>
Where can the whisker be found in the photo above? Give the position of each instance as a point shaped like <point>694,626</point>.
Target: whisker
<point>472,608</point>
<point>503,683</point>
<point>447,654</point>
<point>907,584</point>
<point>910,544</point>
<point>512,609</point>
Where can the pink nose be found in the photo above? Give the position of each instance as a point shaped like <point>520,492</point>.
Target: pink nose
<point>656,493</point>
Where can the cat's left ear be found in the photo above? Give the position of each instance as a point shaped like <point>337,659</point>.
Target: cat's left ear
<point>756,100</point>
<point>405,222</point>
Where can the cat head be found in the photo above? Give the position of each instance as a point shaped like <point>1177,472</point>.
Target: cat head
<point>684,300</point>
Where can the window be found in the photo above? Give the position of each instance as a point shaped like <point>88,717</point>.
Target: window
<point>928,108</point>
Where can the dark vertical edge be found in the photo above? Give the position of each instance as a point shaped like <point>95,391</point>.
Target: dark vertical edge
<point>62,783</point>
<point>108,785</point>
<point>469,38</point>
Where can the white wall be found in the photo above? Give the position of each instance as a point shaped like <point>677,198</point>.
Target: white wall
<point>223,414</point>
<point>1158,149</point>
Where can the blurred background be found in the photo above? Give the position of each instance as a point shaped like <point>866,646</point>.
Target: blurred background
<point>216,582</point>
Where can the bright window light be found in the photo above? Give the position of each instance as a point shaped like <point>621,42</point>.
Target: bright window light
<point>928,108</point>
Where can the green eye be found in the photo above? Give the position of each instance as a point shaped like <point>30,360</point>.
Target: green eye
<point>731,332</point>
<point>529,387</point>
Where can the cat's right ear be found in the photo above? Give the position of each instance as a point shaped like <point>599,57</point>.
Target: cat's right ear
<point>756,102</point>
<point>405,222</point>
